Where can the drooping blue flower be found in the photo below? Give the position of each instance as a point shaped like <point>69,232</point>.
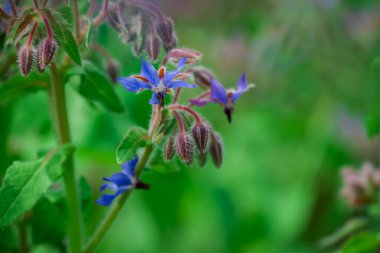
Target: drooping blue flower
<point>227,98</point>
<point>119,182</point>
<point>159,82</point>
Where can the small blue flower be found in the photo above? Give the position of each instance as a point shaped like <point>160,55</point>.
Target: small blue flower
<point>227,98</point>
<point>119,182</point>
<point>159,82</point>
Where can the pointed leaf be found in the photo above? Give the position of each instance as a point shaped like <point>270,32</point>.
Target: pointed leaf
<point>25,182</point>
<point>362,243</point>
<point>20,23</point>
<point>136,137</point>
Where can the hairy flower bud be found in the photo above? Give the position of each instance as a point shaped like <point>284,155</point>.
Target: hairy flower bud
<point>185,148</point>
<point>26,58</point>
<point>113,70</point>
<point>191,56</point>
<point>169,149</point>
<point>216,149</point>
<point>46,50</point>
<point>153,46</point>
<point>202,76</point>
<point>200,134</point>
<point>164,28</point>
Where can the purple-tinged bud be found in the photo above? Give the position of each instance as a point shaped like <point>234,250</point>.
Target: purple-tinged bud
<point>202,76</point>
<point>153,46</point>
<point>164,28</point>
<point>216,149</point>
<point>185,148</point>
<point>113,70</point>
<point>191,56</point>
<point>46,50</point>
<point>200,135</point>
<point>169,149</point>
<point>26,58</point>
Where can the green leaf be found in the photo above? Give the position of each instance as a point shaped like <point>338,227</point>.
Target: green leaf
<point>135,137</point>
<point>20,24</point>
<point>44,248</point>
<point>85,198</point>
<point>25,182</point>
<point>89,33</point>
<point>158,164</point>
<point>364,242</point>
<point>95,86</point>
<point>18,86</point>
<point>63,34</point>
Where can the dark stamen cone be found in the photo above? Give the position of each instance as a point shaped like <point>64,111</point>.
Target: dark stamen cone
<point>46,50</point>
<point>141,185</point>
<point>185,148</point>
<point>216,150</point>
<point>169,149</point>
<point>200,134</point>
<point>26,58</point>
<point>228,112</point>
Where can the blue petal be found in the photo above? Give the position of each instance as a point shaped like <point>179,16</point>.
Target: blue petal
<point>132,84</point>
<point>181,63</point>
<point>129,167</point>
<point>149,72</point>
<point>110,185</point>
<point>241,87</point>
<point>106,199</point>
<point>154,100</point>
<point>218,92</point>
<point>169,75</point>
<point>180,83</point>
<point>120,179</point>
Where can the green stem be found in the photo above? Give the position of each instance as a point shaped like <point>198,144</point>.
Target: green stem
<point>76,19</point>
<point>60,118</point>
<point>112,214</point>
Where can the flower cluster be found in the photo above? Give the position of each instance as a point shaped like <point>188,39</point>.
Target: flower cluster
<point>142,24</point>
<point>361,187</point>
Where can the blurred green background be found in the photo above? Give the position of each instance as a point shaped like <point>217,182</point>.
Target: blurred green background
<point>278,188</point>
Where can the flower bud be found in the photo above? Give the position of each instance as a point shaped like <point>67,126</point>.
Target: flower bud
<point>26,58</point>
<point>164,28</point>
<point>200,134</point>
<point>46,50</point>
<point>153,46</point>
<point>191,56</point>
<point>202,76</point>
<point>216,150</point>
<point>113,70</point>
<point>185,147</point>
<point>169,149</point>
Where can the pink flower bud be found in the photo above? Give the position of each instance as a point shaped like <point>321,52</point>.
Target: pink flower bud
<point>191,56</point>
<point>153,46</point>
<point>46,50</point>
<point>185,147</point>
<point>216,150</point>
<point>164,28</point>
<point>169,149</point>
<point>202,76</point>
<point>200,134</point>
<point>26,58</point>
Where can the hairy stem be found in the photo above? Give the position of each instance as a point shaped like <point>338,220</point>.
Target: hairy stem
<point>76,19</point>
<point>112,214</point>
<point>60,118</point>
<point>187,109</point>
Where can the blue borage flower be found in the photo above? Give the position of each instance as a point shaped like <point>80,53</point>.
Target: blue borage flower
<point>159,82</point>
<point>227,98</point>
<point>120,182</point>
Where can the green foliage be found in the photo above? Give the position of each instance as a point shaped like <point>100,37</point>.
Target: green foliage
<point>18,86</point>
<point>21,23</point>
<point>136,137</point>
<point>26,182</point>
<point>364,242</point>
<point>63,34</point>
<point>158,164</point>
<point>93,84</point>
